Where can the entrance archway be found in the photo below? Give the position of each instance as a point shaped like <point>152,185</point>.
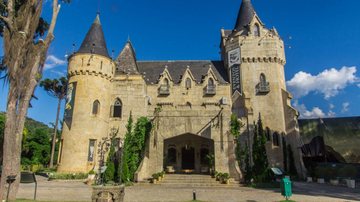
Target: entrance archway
<point>187,153</point>
<point>188,158</point>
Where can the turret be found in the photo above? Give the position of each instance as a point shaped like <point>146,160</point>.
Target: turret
<point>87,111</point>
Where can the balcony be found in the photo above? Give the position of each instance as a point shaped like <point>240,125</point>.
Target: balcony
<point>164,90</point>
<point>263,88</point>
<point>210,90</point>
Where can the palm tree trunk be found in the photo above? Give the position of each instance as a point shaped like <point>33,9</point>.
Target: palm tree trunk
<point>55,134</point>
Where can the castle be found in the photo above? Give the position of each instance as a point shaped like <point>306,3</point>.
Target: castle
<point>190,102</point>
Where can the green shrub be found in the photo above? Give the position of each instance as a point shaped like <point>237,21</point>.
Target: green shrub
<point>348,171</point>
<point>68,176</point>
<point>109,172</point>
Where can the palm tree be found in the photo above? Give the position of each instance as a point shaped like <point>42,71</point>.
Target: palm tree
<point>57,89</point>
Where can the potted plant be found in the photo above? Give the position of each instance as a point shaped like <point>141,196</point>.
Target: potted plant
<point>155,178</point>
<point>211,163</point>
<point>225,178</point>
<point>217,176</point>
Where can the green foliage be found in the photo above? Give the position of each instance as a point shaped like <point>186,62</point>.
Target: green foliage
<point>110,172</point>
<point>36,148</point>
<point>68,176</point>
<point>134,145</point>
<point>260,166</point>
<point>36,144</point>
<point>235,126</point>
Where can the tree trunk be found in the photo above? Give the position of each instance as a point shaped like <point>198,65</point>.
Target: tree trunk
<point>17,106</point>
<point>55,134</point>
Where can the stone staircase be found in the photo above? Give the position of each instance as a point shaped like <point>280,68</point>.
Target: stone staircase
<point>193,180</point>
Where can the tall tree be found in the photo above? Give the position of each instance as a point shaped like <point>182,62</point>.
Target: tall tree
<point>259,153</point>
<point>25,49</point>
<point>57,89</point>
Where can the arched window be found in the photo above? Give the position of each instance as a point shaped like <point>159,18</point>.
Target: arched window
<point>96,107</point>
<point>211,83</point>
<point>256,30</point>
<point>276,139</point>
<point>268,134</point>
<point>188,83</point>
<point>117,112</point>
<point>166,82</point>
<point>262,79</point>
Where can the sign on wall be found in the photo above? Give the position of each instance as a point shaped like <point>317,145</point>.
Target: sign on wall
<point>234,66</point>
<point>69,106</point>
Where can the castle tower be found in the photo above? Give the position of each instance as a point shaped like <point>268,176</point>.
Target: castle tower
<point>255,58</point>
<point>86,118</point>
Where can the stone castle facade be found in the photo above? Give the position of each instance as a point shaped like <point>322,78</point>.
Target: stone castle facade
<point>189,102</point>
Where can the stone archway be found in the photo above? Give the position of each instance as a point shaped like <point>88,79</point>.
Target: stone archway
<point>187,153</point>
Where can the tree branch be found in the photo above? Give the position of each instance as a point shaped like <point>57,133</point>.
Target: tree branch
<point>7,22</point>
<point>56,9</point>
<point>10,9</point>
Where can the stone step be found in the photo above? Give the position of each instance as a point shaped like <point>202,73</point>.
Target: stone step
<point>193,185</point>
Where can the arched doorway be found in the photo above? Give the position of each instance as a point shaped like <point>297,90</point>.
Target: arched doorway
<point>188,158</point>
<point>187,153</point>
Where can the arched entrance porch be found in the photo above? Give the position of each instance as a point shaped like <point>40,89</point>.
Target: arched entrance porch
<point>187,153</point>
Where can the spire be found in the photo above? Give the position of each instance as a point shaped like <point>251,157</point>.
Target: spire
<point>94,41</point>
<point>246,14</point>
<point>126,61</point>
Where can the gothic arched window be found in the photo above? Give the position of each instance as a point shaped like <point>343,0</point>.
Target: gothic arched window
<point>96,107</point>
<point>117,112</point>
<point>166,82</point>
<point>188,83</point>
<point>262,79</point>
<point>211,83</point>
<point>276,139</point>
<point>256,30</point>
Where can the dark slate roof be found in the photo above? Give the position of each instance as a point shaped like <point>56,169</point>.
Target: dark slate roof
<point>152,70</point>
<point>126,61</point>
<point>246,14</point>
<point>94,41</point>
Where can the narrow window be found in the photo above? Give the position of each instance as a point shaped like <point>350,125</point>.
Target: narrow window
<point>262,79</point>
<point>256,30</point>
<point>276,139</point>
<point>166,82</point>
<point>91,153</point>
<point>96,107</point>
<point>117,112</point>
<point>211,83</point>
<point>268,134</point>
<point>188,83</point>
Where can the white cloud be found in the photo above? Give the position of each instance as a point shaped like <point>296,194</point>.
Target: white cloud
<point>316,112</point>
<point>59,73</point>
<point>331,114</point>
<point>52,61</point>
<point>329,82</point>
<point>331,106</point>
<point>345,107</point>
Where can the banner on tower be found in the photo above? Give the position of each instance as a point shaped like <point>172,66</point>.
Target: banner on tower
<point>69,106</point>
<point>234,67</point>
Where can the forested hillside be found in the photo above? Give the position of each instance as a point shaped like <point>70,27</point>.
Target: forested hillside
<point>36,146</point>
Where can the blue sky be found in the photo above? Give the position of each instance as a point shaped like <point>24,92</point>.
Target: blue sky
<point>322,39</point>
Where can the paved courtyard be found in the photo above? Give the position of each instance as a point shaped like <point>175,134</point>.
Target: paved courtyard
<point>77,191</point>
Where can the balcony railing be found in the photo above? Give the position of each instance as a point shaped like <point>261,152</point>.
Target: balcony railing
<point>164,90</point>
<point>210,90</point>
<point>263,88</point>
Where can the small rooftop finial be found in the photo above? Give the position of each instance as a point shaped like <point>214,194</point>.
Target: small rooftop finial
<point>128,39</point>
<point>97,19</point>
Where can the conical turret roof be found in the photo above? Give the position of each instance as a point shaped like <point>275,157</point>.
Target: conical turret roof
<point>246,14</point>
<point>126,61</point>
<point>94,42</point>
